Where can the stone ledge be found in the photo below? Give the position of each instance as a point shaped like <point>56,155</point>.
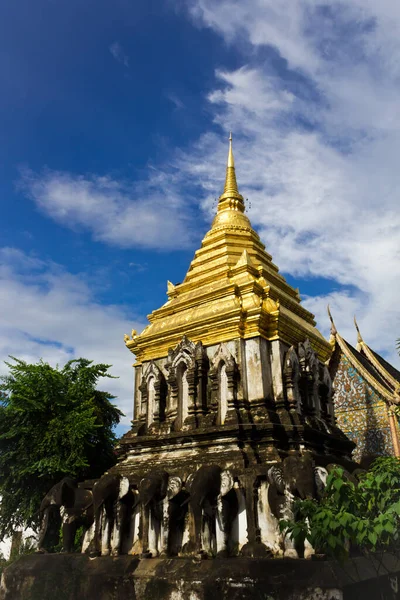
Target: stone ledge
<point>77,577</point>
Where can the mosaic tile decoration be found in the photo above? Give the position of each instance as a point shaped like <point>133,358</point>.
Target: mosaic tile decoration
<point>361,412</point>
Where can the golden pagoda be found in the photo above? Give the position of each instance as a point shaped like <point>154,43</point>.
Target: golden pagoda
<point>233,345</point>
<point>232,290</point>
<point>230,379</point>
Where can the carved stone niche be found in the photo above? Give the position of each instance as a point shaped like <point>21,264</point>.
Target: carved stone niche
<point>309,379</point>
<point>223,377</point>
<point>153,390</point>
<point>187,380</point>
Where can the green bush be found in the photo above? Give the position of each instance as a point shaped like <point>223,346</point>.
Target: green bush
<point>351,517</point>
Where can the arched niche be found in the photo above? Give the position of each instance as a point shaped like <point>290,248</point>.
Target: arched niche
<point>223,377</point>
<point>187,366</point>
<point>153,395</point>
<point>181,367</point>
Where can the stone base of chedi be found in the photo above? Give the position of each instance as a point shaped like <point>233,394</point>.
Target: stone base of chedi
<point>202,488</point>
<point>77,577</point>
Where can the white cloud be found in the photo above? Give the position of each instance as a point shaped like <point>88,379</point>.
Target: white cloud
<point>45,312</point>
<point>317,146</point>
<point>176,101</point>
<point>119,54</point>
<point>149,214</point>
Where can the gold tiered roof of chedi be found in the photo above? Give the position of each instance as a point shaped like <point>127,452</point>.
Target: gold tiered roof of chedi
<point>231,290</point>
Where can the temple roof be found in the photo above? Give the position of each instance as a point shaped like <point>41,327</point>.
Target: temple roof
<point>361,358</point>
<point>390,369</point>
<point>232,290</point>
<point>380,374</point>
<point>389,373</point>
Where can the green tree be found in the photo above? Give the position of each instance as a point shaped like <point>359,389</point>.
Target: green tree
<point>362,516</point>
<point>53,423</point>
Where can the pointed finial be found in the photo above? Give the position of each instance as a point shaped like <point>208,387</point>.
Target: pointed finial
<point>359,336</point>
<point>231,160</point>
<point>333,326</point>
<point>231,190</point>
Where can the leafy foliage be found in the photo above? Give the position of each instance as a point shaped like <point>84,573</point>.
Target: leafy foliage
<point>53,423</point>
<point>362,516</point>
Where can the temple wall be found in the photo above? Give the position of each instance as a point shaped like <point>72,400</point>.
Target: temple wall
<point>253,358</point>
<point>199,385</point>
<point>361,412</point>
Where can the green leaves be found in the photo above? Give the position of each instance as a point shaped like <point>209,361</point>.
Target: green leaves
<point>364,516</point>
<point>53,423</point>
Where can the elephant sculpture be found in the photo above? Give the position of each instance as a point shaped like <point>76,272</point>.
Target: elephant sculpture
<point>156,490</point>
<point>295,477</point>
<point>112,501</point>
<point>67,505</point>
<point>207,488</point>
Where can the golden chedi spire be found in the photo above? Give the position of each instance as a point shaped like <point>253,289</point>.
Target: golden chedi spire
<point>231,290</point>
<point>231,203</point>
<point>231,188</point>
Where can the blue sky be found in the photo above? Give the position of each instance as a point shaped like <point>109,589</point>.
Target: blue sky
<point>114,119</point>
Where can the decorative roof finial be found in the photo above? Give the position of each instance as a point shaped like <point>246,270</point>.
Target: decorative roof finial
<point>231,190</point>
<point>333,327</point>
<point>360,341</point>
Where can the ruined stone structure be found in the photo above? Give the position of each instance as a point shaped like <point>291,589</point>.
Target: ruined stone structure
<point>367,390</point>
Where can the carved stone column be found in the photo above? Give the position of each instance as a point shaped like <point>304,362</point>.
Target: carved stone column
<point>202,366</point>
<point>143,405</point>
<point>213,386</point>
<point>234,413</point>
<point>254,547</point>
<point>172,402</point>
<point>157,399</point>
<point>191,419</point>
<point>137,398</point>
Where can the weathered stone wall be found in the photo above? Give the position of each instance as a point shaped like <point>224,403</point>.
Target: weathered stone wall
<point>76,577</point>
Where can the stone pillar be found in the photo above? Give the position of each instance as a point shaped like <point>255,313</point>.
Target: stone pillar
<point>190,422</point>
<point>137,396</point>
<point>277,354</point>
<point>142,418</point>
<point>214,396</point>
<point>172,398</point>
<point>202,368</point>
<point>254,547</point>
<point>256,391</point>
<point>235,411</point>
<point>157,399</point>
